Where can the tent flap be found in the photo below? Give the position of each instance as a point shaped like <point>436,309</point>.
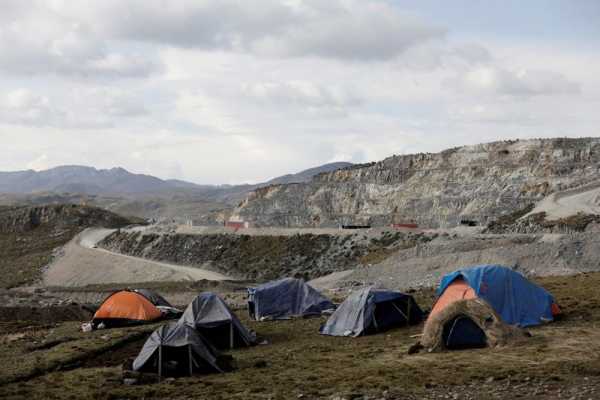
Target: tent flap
<point>176,343</point>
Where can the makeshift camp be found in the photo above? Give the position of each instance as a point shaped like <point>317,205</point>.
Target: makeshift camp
<point>209,314</point>
<point>178,350</point>
<point>370,311</point>
<point>516,300</point>
<point>468,324</point>
<point>286,298</point>
<point>125,307</point>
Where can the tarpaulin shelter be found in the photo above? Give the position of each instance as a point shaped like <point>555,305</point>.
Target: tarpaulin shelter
<point>286,298</point>
<point>209,314</point>
<point>160,302</point>
<point>372,310</point>
<point>153,297</point>
<point>517,300</point>
<point>125,307</point>
<point>485,328</point>
<point>176,350</point>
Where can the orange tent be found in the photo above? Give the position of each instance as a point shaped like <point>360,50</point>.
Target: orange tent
<point>457,290</point>
<point>125,307</point>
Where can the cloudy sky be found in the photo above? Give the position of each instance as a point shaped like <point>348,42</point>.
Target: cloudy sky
<point>227,91</point>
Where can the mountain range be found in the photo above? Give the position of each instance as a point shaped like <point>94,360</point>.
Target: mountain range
<point>119,181</point>
<point>133,194</point>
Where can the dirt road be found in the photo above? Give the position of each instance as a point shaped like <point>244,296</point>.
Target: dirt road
<point>585,199</point>
<point>82,264</point>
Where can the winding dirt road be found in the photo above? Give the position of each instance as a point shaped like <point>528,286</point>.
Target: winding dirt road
<point>83,264</point>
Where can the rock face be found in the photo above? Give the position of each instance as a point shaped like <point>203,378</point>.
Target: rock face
<point>264,257</point>
<point>476,183</point>
<point>23,219</point>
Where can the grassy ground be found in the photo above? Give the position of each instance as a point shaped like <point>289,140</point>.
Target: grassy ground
<point>561,358</point>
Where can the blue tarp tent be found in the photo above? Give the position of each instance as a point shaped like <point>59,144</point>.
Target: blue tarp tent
<point>510,294</point>
<point>370,311</point>
<point>286,298</point>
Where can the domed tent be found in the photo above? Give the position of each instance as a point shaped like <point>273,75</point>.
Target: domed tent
<point>209,314</point>
<point>153,297</point>
<point>370,310</point>
<point>517,301</point>
<point>176,350</point>
<point>125,307</point>
<point>286,298</point>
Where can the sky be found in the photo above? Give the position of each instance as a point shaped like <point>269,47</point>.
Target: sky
<point>226,91</point>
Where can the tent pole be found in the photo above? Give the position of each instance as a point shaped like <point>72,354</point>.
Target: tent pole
<point>399,310</point>
<point>408,311</point>
<point>159,362</point>
<point>190,358</point>
<point>231,335</point>
<point>375,319</point>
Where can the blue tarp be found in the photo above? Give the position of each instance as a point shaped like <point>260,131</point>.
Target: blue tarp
<point>286,298</point>
<point>516,299</point>
<point>372,310</point>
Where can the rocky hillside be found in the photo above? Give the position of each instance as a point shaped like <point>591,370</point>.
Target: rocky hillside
<point>23,219</point>
<point>265,257</point>
<point>29,236</point>
<point>477,183</point>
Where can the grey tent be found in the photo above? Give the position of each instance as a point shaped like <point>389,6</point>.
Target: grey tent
<point>209,314</point>
<point>153,297</point>
<point>370,311</point>
<point>286,298</point>
<point>175,350</point>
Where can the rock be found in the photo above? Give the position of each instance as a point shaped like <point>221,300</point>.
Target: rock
<point>449,186</point>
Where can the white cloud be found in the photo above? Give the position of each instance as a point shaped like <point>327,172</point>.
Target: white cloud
<point>523,82</point>
<point>83,108</point>
<point>340,29</point>
<point>42,39</point>
<point>308,97</point>
<point>228,91</point>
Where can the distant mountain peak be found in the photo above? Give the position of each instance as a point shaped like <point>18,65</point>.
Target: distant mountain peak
<point>119,181</point>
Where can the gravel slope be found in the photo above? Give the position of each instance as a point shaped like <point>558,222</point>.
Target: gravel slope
<point>584,199</point>
<point>424,265</point>
<point>81,264</point>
